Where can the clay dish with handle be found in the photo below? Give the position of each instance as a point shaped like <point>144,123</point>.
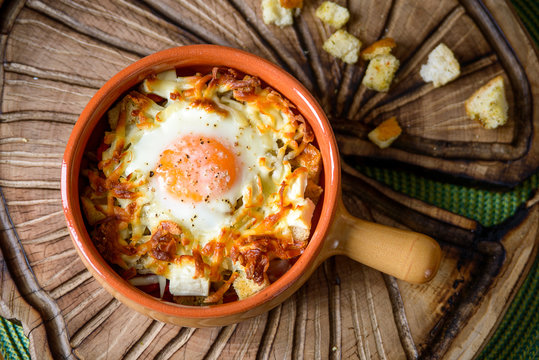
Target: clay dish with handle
<point>404,254</point>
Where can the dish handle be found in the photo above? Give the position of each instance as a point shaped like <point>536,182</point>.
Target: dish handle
<point>404,254</point>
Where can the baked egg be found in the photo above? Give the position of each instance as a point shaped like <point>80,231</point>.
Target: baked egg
<point>202,184</point>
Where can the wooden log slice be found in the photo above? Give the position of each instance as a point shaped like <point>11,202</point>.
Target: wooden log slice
<point>56,54</point>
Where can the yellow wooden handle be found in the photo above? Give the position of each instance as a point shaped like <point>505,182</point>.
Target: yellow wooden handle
<point>405,254</point>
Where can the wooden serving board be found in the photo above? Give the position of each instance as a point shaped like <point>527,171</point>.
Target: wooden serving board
<point>57,53</point>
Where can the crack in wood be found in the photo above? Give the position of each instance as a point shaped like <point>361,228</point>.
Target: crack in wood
<point>356,99</point>
<point>292,64</point>
<point>290,309</point>
<point>23,164</point>
<point>317,329</point>
<point>70,284</point>
<point>94,50</point>
<point>175,344</point>
<point>29,154</point>
<point>68,78</point>
<point>83,305</point>
<point>415,204</point>
<point>426,88</point>
<point>102,12</point>
<point>334,295</point>
<point>399,315</point>
<point>475,291</point>
<point>14,308</point>
<point>26,84</point>
<point>195,29</point>
<point>29,288</point>
<point>145,340</point>
<point>3,42</point>
<point>51,258</point>
<point>409,65</point>
<point>11,140</point>
<point>321,85</point>
<point>372,315</point>
<point>30,184</point>
<point>87,30</point>
<point>59,234</point>
<point>350,85</point>
<point>300,330</point>
<point>359,329</point>
<point>40,219</point>
<point>266,342</point>
<point>18,140</point>
<point>451,233</point>
<point>60,272</point>
<point>49,116</point>
<point>92,324</point>
<point>56,201</point>
<point>247,342</point>
<point>11,10</point>
<point>433,147</point>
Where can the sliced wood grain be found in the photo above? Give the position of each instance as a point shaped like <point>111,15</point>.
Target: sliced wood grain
<point>239,25</point>
<point>91,62</point>
<point>123,24</point>
<point>13,306</point>
<point>24,299</point>
<point>463,141</point>
<point>56,54</point>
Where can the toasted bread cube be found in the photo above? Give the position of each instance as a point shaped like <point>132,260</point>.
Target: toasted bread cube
<point>385,133</point>
<point>246,287</point>
<point>274,13</point>
<point>333,14</point>
<point>441,67</point>
<point>291,4</point>
<point>380,72</point>
<point>93,215</point>
<point>300,218</point>
<point>313,191</point>
<point>299,233</point>
<point>310,158</point>
<point>488,104</point>
<point>381,47</point>
<point>344,46</point>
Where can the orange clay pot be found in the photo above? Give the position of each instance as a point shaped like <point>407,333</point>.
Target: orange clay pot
<point>407,255</point>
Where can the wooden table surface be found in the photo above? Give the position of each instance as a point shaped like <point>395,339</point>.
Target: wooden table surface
<point>57,53</point>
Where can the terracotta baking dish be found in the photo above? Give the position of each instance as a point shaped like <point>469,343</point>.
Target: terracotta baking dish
<point>407,255</point>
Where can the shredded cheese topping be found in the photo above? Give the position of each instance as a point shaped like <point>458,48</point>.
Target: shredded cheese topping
<point>269,181</point>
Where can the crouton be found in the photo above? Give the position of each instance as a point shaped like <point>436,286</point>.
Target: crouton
<point>343,45</point>
<point>441,67</point>
<point>333,14</point>
<point>274,13</point>
<point>93,215</point>
<point>246,287</point>
<point>488,104</point>
<point>380,72</point>
<point>299,233</point>
<point>313,191</point>
<point>385,133</point>
<point>291,4</point>
<point>381,47</point>
<point>310,158</point>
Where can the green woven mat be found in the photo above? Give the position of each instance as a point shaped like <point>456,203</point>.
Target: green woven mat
<point>13,343</point>
<point>517,336</point>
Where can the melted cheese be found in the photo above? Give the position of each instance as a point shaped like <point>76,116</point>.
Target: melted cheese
<point>140,223</point>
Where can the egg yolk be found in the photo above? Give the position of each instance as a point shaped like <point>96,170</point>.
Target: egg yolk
<point>197,168</point>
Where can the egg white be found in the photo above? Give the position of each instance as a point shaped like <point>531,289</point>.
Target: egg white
<point>203,219</point>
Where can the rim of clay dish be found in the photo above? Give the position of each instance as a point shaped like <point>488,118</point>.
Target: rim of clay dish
<point>190,56</point>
